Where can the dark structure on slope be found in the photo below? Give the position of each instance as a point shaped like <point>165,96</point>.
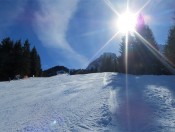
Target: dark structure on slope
<point>54,71</point>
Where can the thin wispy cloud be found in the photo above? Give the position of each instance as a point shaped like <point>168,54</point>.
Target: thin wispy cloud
<point>51,24</point>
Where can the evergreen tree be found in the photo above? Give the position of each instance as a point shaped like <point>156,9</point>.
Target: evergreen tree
<point>130,58</point>
<point>35,63</point>
<point>39,66</point>
<point>110,67</point>
<point>122,56</point>
<point>26,59</point>
<point>141,57</point>
<point>7,59</point>
<point>107,64</point>
<point>170,46</point>
<point>18,58</point>
<point>103,64</point>
<point>146,46</point>
<point>149,64</point>
<point>115,65</point>
<point>1,59</point>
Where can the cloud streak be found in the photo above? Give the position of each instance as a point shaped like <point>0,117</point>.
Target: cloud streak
<point>51,24</point>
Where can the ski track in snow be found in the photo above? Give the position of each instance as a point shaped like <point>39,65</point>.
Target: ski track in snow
<point>92,102</point>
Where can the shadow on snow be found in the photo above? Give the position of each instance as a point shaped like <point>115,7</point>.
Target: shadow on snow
<point>134,113</point>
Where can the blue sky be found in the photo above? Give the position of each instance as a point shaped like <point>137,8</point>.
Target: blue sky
<point>71,32</point>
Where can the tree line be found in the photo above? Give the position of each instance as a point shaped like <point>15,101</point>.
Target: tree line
<point>16,58</point>
<point>141,55</point>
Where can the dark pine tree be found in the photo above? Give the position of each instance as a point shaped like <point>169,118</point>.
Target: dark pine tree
<point>7,59</point>
<point>108,64</point>
<point>170,46</point>
<point>122,56</point>
<point>26,67</point>
<point>35,63</point>
<point>1,59</point>
<point>116,65</point>
<point>18,58</point>
<point>39,66</point>
<point>127,58</point>
<point>141,56</point>
<point>103,64</point>
<point>145,47</point>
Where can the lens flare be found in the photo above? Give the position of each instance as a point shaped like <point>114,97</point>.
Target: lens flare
<point>127,22</point>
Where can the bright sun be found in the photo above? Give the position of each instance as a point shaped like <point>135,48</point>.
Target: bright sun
<point>127,22</point>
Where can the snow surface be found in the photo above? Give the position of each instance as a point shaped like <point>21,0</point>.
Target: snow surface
<point>92,102</point>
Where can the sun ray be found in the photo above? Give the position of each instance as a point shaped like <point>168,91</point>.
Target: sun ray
<point>126,52</point>
<point>103,47</point>
<point>148,1</point>
<point>108,3</point>
<point>127,5</point>
<point>126,81</point>
<point>157,54</point>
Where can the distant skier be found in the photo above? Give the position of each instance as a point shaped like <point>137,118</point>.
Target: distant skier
<point>9,79</point>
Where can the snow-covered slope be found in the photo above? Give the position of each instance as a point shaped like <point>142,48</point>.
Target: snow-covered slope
<point>92,102</point>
